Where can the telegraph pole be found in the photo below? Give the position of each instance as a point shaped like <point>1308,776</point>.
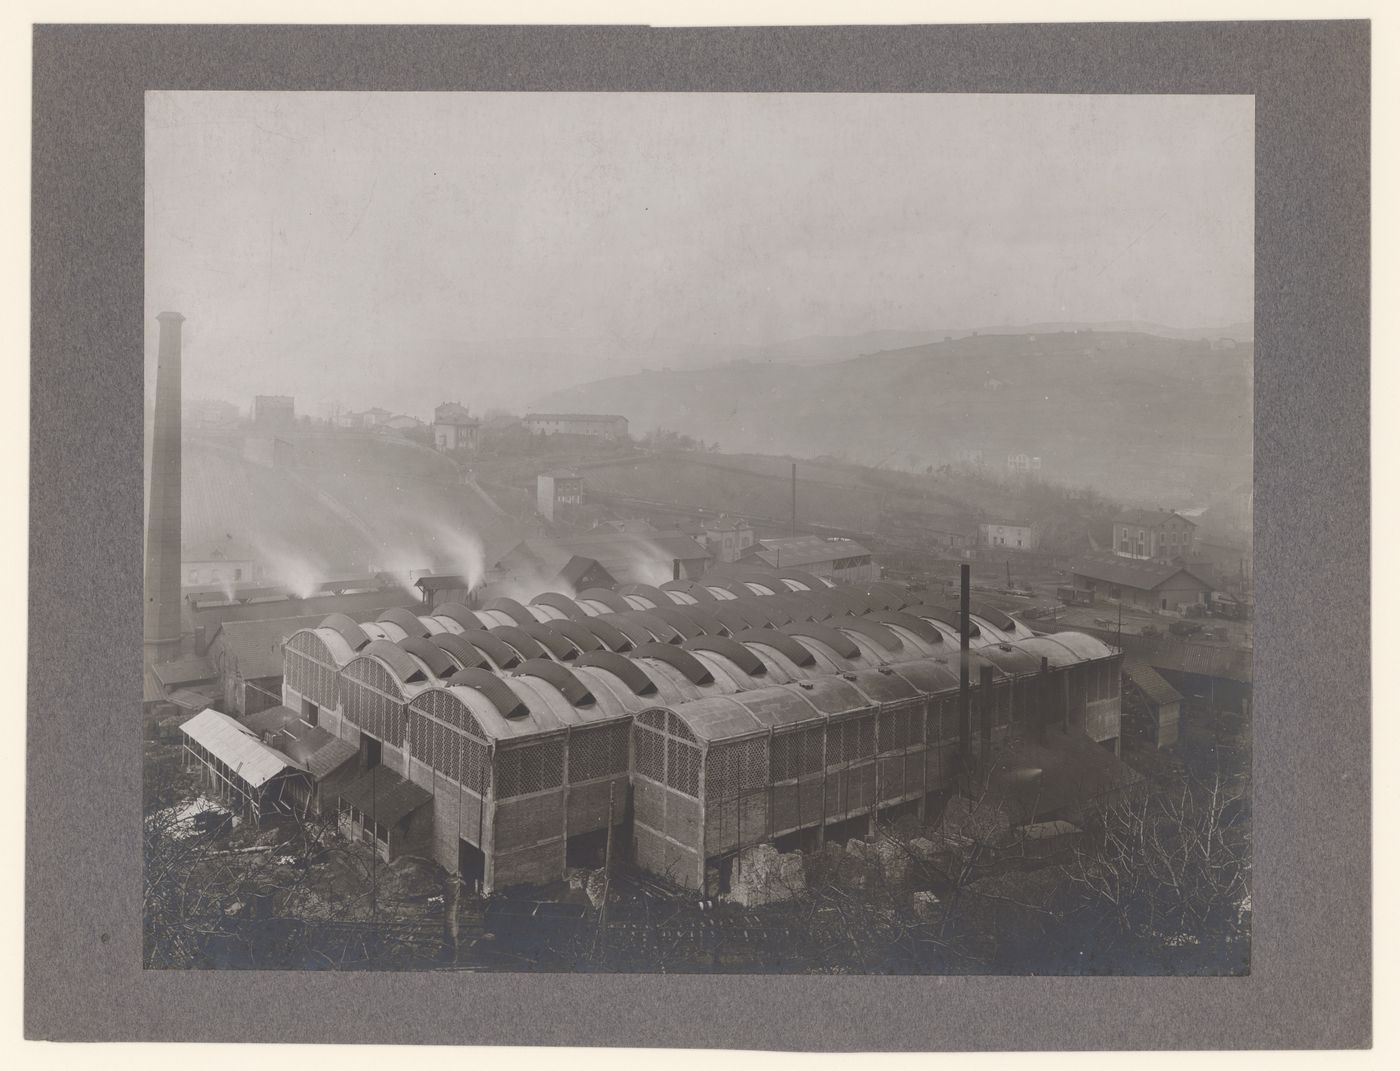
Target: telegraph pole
<point>794,498</point>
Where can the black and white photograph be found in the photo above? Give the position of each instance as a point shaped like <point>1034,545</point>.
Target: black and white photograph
<point>699,533</point>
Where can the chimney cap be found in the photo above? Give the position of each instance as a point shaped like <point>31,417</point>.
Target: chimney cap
<point>170,316</point>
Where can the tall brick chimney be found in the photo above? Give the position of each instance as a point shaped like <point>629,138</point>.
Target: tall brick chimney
<point>162,623</point>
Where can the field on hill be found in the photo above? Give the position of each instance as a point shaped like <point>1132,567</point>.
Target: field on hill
<point>841,495</point>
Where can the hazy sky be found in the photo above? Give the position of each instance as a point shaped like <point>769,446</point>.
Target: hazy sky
<point>399,248</point>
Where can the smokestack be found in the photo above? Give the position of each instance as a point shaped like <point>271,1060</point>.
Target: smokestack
<point>964,696</point>
<point>162,618</point>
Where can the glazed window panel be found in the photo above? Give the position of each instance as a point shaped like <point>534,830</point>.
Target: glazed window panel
<point>448,708</point>
<point>596,753</point>
<point>523,770</point>
<point>683,767</point>
<point>678,728</point>
<point>650,759</point>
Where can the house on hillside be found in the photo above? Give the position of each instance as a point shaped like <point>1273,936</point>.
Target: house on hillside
<point>558,494</point>
<point>454,428</point>
<point>728,538</point>
<point>1151,585</point>
<point>594,425</point>
<point>223,561</point>
<point>1009,535</point>
<point>1153,534</point>
<point>843,560</point>
<point>1025,463</point>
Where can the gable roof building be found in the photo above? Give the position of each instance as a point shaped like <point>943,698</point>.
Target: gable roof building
<point>1156,585</point>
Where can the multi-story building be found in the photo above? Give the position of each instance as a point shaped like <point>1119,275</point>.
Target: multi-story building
<point>1013,535</point>
<point>558,494</point>
<point>454,428</point>
<point>727,538</point>
<point>1153,534</point>
<point>221,562</point>
<point>595,425</point>
<point>1022,463</point>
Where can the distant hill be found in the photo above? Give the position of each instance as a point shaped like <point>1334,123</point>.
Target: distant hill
<point>1139,416</point>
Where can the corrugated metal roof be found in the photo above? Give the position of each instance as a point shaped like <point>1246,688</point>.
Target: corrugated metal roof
<point>1129,572</point>
<point>1150,518</point>
<point>195,698</point>
<point>271,720</point>
<point>1152,683</point>
<point>384,795</point>
<point>193,669</point>
<point>440,583</point>
<point>236,747</point>
<point>797,551</point>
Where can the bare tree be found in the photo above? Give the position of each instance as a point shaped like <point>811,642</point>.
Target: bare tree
<point>1168,875</point>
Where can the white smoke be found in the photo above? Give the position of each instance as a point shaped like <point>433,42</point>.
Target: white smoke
<point>460,551</point>
<point>405,564</point>
<point>299,572</point>
<point>648,564</point>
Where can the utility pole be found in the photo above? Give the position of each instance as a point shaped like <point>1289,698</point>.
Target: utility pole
<point>794,498</point>
<point>964,689</point>
<point>607,872</point>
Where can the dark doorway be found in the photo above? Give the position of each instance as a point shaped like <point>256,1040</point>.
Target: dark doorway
<point>371,751</point>
<point>588,849</point>
<point>471,865</point>
<point>310,712</point>
<point>788,842</point>
<point>851,829</point>
<point>725,868</point>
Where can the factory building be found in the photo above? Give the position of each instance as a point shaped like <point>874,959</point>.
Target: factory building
<point>689,720</point>
<point>1150,585</point>
<point>842,560</point>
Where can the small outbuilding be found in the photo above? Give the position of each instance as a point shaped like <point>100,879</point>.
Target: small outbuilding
<point>387,812</point>
<point>237,767</point>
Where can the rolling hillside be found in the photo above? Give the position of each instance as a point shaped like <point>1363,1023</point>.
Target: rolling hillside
<point>1137,416</point>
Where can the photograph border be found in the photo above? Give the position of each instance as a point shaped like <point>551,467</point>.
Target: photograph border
<point>1310,981</point>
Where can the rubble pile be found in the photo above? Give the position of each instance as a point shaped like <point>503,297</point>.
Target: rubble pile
<point>764,876</point>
